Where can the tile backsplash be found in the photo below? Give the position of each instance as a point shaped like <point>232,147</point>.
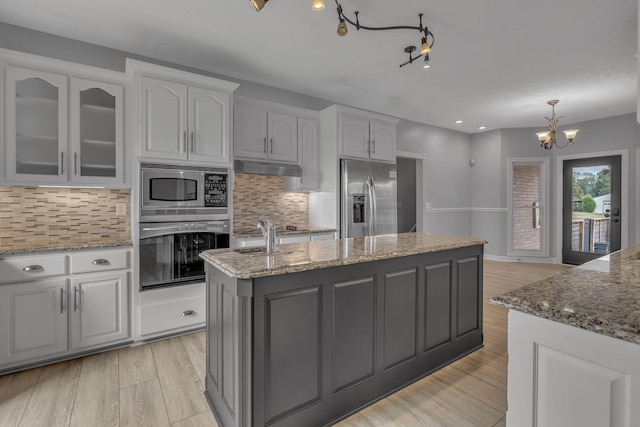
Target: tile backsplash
<point>257,197</point>
<point>35,218</point>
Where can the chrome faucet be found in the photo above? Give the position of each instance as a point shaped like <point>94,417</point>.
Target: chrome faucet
<point>268,229</point>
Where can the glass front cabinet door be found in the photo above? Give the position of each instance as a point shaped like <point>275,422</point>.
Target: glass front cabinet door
<point>36,126</point>
<point>62,129</point>
<point>96,131</point>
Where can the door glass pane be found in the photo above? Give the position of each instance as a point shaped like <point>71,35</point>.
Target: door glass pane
<point>97,133</point>
<point>590,205</point>
<point>527,211</point>
<point>36,127</point>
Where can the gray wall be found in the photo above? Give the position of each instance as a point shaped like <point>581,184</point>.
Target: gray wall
<point>447,175</point>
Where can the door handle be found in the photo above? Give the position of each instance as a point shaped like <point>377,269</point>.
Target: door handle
<point>271,147</point>
<point>264,149</point>
<point>184,141</point>
<point>61,300</point>
<point>188,313</point>
<point>100,261</point>
<point>33,269</point>
<point>75,163</point>
<point>75,298</point>
<point>192,138</point>
<point>62,163</point>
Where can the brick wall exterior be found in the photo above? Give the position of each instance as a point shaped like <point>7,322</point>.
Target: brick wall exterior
<point>36,218</point>
<point>526,191</point>
<point>257,197</point>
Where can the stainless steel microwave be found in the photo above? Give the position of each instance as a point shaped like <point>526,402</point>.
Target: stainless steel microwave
<point>179,193</point>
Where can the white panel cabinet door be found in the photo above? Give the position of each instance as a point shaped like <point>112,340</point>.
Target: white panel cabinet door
<point>354,137</point>
<point>308,155</point>
<point>163,119</point>
<point>33,320</point>
<point>561,375</point>
<point>249,132</point>
<point>36,126</point>
<point>209,120</point>
<point>99,309</point>
<point>282,130</point>
<point>97,132</point>
<point>383,142</point>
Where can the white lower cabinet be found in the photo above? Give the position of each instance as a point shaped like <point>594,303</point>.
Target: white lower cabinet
<point>48,311</point>
<point>33,316</point>
<point>99,309</point>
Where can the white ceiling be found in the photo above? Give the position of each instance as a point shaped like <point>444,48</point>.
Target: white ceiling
<point>494,62</point>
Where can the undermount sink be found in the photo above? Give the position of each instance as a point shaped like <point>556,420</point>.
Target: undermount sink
<point>260,250</point>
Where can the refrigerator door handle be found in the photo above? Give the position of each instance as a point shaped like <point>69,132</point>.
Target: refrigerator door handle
<point>374,207</point>
<point>369,213</point>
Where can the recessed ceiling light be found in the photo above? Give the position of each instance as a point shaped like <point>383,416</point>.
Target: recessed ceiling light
<point>458,121</point>
<point>482,127</point>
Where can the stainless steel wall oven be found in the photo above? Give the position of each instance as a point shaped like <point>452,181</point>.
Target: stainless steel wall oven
<point>169,251</point>
<point>183,211</point>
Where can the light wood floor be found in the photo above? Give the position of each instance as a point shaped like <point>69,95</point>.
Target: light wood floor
<point>161,384</point>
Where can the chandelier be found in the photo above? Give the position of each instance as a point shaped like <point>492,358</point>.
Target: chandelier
<point>426,41</point>
<point>548,138</point>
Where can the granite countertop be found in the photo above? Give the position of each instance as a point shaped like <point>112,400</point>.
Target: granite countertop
<point>602,296</point>
<point>248,263</point>
<point>70,246</point>
<point>244,234</point>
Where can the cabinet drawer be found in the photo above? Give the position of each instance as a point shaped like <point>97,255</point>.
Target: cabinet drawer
<point>32,267</point>
<point>89,262</point>
<point>166,317</point>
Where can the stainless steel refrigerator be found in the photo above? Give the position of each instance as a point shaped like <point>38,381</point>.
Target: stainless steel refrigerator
<point>368,198</point>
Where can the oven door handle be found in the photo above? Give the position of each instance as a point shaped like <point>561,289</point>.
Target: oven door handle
<point>159,230</point>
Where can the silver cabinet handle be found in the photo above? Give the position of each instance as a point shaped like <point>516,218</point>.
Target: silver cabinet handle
<point>75,163</point>
<point>61,300</point>
<point>62,163</point>
<point>100,261</point>
<point>75,298</point>
<point>33,268</point>
<point>184,141</point>
<point>265,145</point>
<point>373,143</point>
<point>188,313</point>
<point>192,139</point>
<point>271,148</point>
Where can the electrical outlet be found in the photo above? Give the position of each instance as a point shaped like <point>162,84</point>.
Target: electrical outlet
<point>121,209</point>
<point>302,207</point>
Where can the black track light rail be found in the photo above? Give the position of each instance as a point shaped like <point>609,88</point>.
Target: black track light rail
<point>421,28</point>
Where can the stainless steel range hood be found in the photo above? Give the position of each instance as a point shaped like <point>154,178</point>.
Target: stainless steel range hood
<point>267,168</point>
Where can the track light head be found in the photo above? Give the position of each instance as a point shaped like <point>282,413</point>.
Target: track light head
<point>317,5</point>
<point>342,28</point>
<point>424,48</point>
<point>258,4</point>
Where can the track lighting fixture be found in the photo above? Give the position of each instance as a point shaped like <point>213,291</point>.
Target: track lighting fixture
<point>426,42</point>
<point>547,138</point>
<point>317,5</point>
<point>259,4</point>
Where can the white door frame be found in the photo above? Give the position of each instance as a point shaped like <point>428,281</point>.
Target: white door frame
<point>546,209</point>
<point>421,185</point>
<point>624,196</point>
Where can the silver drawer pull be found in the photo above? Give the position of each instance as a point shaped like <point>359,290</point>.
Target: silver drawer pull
<point>188,313</point>
<point>100,261</point>
<point>33,268</point>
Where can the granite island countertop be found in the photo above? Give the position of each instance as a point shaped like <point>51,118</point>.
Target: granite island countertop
<point>280,231</point>
<point>602,296</point>
<point>251,263</point>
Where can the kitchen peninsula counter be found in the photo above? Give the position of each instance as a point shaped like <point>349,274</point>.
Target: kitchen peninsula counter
<point>574,345</point>
<point>322,329</point>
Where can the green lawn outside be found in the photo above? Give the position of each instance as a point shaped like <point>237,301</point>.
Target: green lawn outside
<point>585,215</point>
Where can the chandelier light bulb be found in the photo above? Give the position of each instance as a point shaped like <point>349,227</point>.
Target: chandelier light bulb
<point>317,5</point>
<point>258,4</point>
<point>570,134</point>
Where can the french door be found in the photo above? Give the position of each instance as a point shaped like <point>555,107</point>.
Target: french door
<point>591,202</point>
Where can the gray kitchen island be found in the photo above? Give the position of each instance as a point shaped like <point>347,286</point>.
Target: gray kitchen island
<point>319,330</point>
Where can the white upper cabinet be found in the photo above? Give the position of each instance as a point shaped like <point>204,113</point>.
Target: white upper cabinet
<point>264,134</point>
<point>182,116</point>
<point>63,123</point>
<point>308,134</point>
<point>364,135</point>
